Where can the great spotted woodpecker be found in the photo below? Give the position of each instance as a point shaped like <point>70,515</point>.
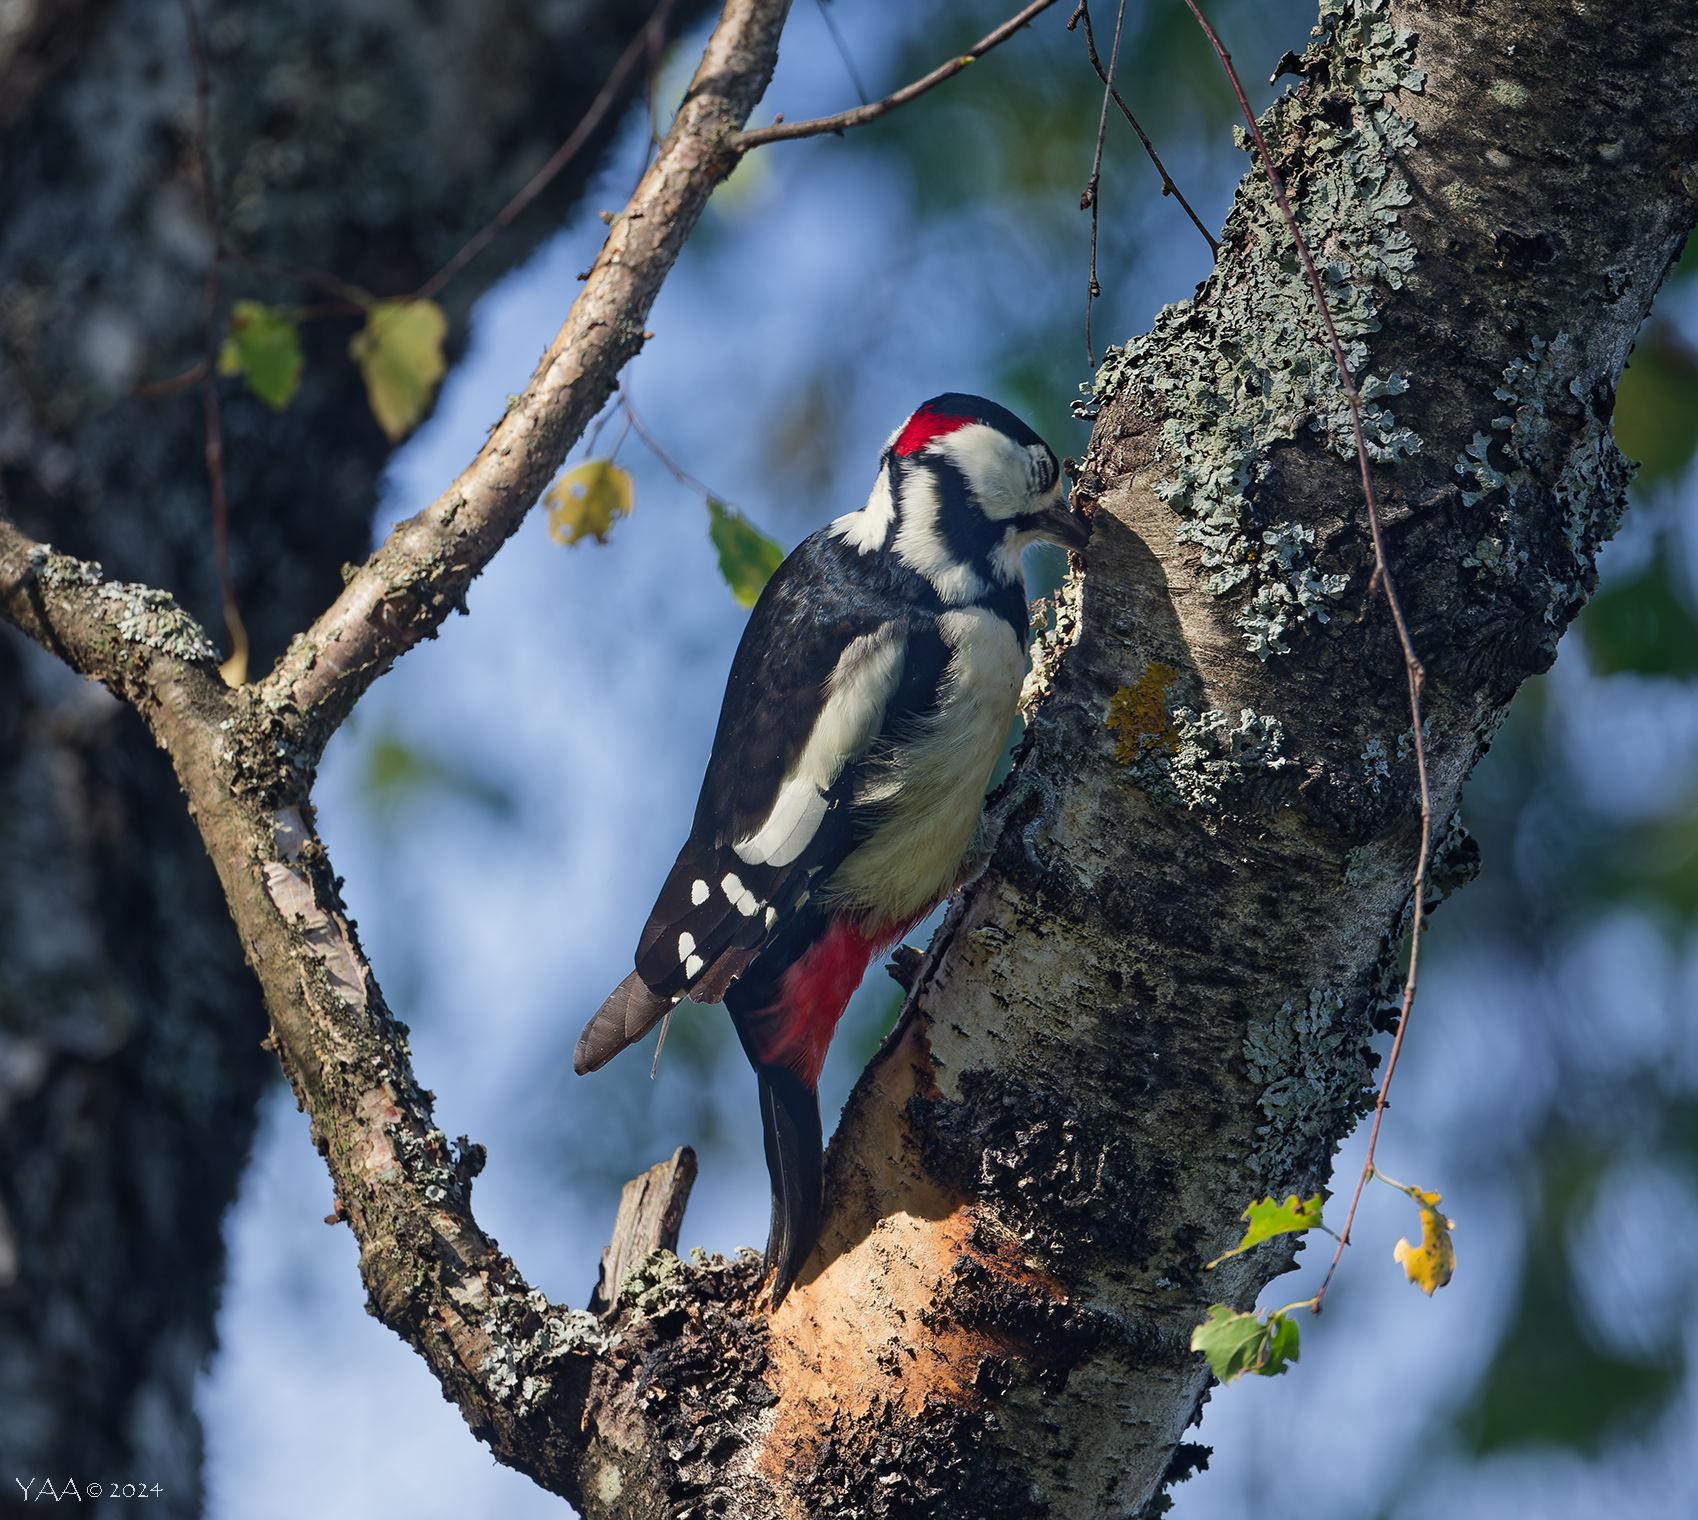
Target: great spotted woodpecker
<point>871,695</point>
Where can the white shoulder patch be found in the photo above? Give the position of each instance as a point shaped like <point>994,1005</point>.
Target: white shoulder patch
<point>860,686</point>
<point>932,792</point>
<point>867,529</point>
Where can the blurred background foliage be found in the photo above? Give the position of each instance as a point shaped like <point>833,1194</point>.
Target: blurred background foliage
<point>1551,1087</point>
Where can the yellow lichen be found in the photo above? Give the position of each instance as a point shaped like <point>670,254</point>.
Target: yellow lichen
<point>1138,715</point>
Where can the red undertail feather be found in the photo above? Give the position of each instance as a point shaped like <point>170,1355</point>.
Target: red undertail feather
<point>795,1030</point>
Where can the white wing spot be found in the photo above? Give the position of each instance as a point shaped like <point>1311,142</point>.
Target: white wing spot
<point>686,946</point>
<point>693,965</point>
<point>698,892</point>
<point>771,917</point>
<point>740,897</point>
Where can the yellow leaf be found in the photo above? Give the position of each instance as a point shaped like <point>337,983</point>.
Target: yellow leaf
<point>1429,1264</point>
<point>587,500</point>
<point>399,352</point>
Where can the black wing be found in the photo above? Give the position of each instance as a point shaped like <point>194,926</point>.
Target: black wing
<point>718,909</point>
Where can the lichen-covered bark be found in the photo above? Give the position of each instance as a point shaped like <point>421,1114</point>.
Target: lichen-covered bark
<point>368,139</point>
<point>1156,1004</point>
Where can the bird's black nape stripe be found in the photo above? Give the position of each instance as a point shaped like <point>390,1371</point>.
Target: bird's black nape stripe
<point>969,534</point>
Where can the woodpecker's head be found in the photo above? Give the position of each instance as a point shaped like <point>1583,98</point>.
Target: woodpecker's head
<point>963,487</point>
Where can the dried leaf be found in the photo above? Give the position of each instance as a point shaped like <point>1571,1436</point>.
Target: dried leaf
<point>747,557</point>
<point>399,352</point>
<point>1429,1264</point>
<point>585,502</point>
<point>1267,1218</point>
<point>264,347</point>
<point>1238,1343</point>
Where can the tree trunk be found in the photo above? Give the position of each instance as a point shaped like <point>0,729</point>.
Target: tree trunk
<point>369,141</point>
<point>1157,1004</point>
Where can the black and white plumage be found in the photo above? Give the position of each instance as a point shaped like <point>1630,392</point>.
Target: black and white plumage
<point>869,699</point>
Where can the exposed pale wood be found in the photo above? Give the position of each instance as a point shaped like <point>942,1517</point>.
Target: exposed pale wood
<point>651,1212</point>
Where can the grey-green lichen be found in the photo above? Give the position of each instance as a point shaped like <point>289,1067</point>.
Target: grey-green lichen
<point>1210,755</point>
<point>1248,366</point>
<point>1312,1064</point>
<point>140,614</point>
<point>659,1283</point>
<point>1588,473</point>
<point>1055,624</point>
<point>528,1337</point>
<point>1375,764</point>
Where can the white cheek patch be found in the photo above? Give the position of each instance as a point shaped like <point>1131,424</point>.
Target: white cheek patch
<point>867,529</point>
<point>999,471</point>
<point>860,687</point>
<point>922,547</point>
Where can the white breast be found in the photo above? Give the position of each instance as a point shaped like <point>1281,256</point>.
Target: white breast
<point>930,793</point>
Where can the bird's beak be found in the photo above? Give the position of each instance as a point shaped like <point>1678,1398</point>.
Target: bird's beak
<point>1058,525</point>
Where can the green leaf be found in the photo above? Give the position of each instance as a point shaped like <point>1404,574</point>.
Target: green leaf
<point>1267,1218</point>
<point>399,352</point>
<point>264,347</point>
<point>747,557</point>
<point>1238,1343</point>
<point>585,502</point>
<point>1656,404</point>
<point>1643,625</point>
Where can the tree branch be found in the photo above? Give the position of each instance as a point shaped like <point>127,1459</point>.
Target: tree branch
<point>421,572</point>
<point>786,131</point>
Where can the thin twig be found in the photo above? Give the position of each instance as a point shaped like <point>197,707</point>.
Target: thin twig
<point>645,42</point>
<point>1167,185</point>
<point>1381,579</point>
<point>237,665</point>
<point>679,473</point>
<point>353,300</point>
<point>152,390</point>
<point>843,51</point>
<point>1091,198</point>
<point>784,131</point>
<point>376,617</point>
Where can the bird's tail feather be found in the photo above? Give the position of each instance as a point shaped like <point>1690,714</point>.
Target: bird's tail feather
<point>790,1119</point>
<point>630,1012</point>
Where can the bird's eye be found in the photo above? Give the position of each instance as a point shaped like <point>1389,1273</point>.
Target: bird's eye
<point>1043,473</point>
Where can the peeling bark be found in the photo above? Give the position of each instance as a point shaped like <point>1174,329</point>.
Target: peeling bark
<point>1157,1003</point>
